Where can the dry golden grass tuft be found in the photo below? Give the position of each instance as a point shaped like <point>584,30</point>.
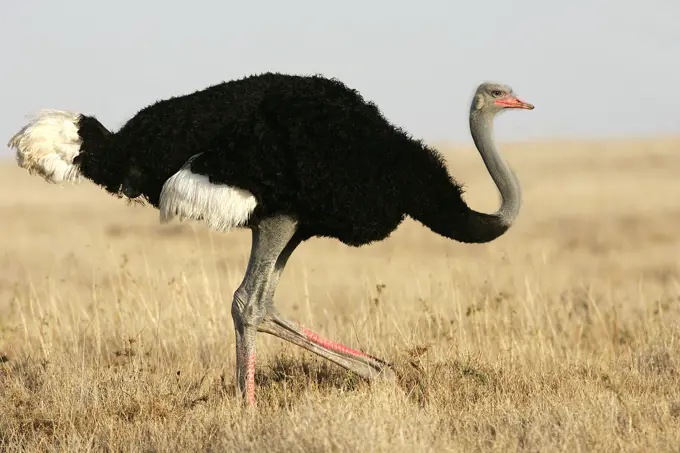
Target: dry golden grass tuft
<point>563,335</point>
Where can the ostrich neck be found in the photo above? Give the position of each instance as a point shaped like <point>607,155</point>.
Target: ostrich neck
<point>481,128</point>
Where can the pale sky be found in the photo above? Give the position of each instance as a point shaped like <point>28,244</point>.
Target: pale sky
<point>593,68</point>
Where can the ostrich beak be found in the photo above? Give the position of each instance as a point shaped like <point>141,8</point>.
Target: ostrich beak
<point>514,103</point>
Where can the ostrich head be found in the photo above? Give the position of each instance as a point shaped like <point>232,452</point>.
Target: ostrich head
<point>493,98</point>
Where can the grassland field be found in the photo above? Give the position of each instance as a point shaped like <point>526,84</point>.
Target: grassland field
<point>561,336</point>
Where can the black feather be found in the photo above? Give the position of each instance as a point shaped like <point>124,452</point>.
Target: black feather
<point>307,146</point>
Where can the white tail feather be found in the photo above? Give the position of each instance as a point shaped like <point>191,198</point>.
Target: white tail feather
<point>47,145</point>
<point>191,196</point>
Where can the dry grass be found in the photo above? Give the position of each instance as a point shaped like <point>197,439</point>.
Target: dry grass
<point>116,334</point>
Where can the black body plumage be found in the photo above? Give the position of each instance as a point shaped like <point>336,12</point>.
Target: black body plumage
<point>307,146</point>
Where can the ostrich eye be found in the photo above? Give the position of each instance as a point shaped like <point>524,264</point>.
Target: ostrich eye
<point>496,93</point>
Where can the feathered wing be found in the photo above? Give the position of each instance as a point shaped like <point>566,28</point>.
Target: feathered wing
<point>189,195</point>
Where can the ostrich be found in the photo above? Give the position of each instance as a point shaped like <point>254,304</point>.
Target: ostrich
<point>289,157</point>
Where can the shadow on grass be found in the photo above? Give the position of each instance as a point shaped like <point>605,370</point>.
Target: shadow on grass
<point>285,382</point>
<point>288,379</point>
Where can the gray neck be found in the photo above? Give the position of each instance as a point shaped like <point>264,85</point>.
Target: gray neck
<point>481,128</point>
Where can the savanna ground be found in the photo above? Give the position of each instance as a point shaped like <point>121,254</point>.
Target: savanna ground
<point>116,332</point>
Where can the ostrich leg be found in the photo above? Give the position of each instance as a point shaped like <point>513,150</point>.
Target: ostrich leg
<point>358,362</point>
<point>274,324</point>
<point>273,241</point>
<point>269,239</point>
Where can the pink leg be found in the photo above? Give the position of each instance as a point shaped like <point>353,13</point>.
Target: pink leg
<point>333,346</point>
<point>250,380</point>
<point>245,361</point>
<point>358,362</point>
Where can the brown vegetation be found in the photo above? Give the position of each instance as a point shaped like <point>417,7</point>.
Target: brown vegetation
<point>116,333</point>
